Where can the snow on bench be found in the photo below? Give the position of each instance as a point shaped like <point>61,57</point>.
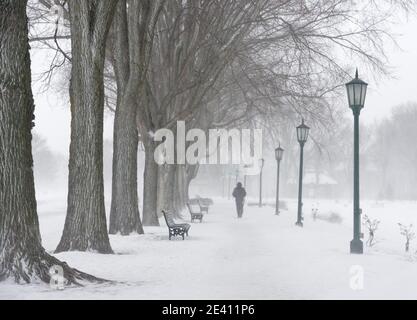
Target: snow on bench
<point>175,229</point>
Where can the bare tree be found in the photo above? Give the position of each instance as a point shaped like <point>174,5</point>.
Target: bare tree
<point>194,44</point>
<point>49,29</point>
<point>22,256</point>
<point>85,226</point>
<point>397,172</point>
<point>132,38</point>
<point>287,54</point>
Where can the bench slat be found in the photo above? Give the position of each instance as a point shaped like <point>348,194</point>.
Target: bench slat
<point>174,228</point>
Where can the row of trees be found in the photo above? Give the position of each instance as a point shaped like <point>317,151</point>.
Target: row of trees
<point>392,158</point>
<point>210,63</point>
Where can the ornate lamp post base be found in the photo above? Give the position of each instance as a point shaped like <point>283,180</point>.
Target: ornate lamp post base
<point>299,224</point>
<point>356,246</point>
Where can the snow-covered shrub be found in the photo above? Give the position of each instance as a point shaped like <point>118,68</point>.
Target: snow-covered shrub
<point>332,217</point>
<point>283,205</point>
<point>408,233</point>
<point>372,227</point>
<point>335,218</point>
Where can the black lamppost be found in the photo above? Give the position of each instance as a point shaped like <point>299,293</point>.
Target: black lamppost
<point>261,165</point>
<point>279,152</point>
<point>302,136</point>
<point>356,91</point>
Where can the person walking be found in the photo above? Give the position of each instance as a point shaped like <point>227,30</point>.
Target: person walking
<point>239,193</point>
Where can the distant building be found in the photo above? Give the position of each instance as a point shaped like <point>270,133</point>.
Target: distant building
<point>317,185</point>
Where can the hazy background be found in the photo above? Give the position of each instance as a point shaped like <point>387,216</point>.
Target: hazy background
<point>52,129</point>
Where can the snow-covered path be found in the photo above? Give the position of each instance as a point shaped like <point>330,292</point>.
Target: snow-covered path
<point>261,256</point>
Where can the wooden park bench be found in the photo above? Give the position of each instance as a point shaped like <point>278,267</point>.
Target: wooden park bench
<point>203,203</point>
<point>195,211</point>
<point>175,229</point>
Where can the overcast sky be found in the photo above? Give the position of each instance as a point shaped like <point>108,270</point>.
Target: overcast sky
<point>390,93</point>
<point>53,116</point>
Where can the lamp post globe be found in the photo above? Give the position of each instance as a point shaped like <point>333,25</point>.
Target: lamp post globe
<point>279,153</point>
<point>302,136</point>
<point>356,92</point>
<point>302,133</point>
<point>261,163</point>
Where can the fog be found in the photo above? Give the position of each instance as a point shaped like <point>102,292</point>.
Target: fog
<point>387,164</point>
<point>388,158</point>
<point>163,134</point>
<point>386,95</point>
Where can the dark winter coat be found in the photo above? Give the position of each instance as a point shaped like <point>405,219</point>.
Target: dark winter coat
<point>239,194</point>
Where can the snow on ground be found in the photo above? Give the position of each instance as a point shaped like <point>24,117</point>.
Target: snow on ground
<point>262,256</point>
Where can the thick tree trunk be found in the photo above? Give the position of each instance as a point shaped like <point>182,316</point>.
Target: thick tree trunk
<point>150,187</point>
<point>192,171</point>
<point>172,188</point>
<point>188,188</point>
<point>124,214</point>
<point>180,189</point>
<point>85,226</point>
<point>133,33</point>
<point>22,256</point>
<point>167,179</point>
<point>166,185</point>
